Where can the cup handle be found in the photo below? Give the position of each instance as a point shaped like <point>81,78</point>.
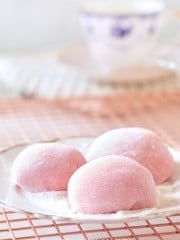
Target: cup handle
<point>170,16</point>
<point>170,47</point>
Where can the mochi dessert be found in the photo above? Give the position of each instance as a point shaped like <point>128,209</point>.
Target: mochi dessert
<point>142,145</point>
<point>46,167</point>
<point>110,184</point>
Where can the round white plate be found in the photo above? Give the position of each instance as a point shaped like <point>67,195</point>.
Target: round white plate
<point>55,205</point>
<point>155,68</point>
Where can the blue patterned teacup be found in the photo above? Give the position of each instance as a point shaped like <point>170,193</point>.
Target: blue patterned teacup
<point>121,33</point>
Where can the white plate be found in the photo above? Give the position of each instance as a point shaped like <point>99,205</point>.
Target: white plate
<point>55,206</point>
<point>159,66</point>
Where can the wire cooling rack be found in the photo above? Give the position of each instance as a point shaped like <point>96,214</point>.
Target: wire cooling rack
<point>33,120</point>
<point>17,226</point>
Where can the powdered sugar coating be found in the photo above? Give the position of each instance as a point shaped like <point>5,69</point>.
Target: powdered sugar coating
<point>140,144</point>
<point>46,167</point>
<point>110,184</point>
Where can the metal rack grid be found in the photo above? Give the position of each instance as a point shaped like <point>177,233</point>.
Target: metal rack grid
<point>27,121</point>
<point>19,227</point>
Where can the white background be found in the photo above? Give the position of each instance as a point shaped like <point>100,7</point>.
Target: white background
<point>42,24</point>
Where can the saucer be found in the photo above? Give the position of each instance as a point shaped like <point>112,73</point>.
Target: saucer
<point>156,68</point>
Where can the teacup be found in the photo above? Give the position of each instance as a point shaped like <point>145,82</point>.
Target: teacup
<point>121,33</point>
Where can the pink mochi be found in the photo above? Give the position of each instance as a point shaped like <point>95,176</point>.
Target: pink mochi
<point>110,184</point>
<point>46,167</point>
<point>142,145</point>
